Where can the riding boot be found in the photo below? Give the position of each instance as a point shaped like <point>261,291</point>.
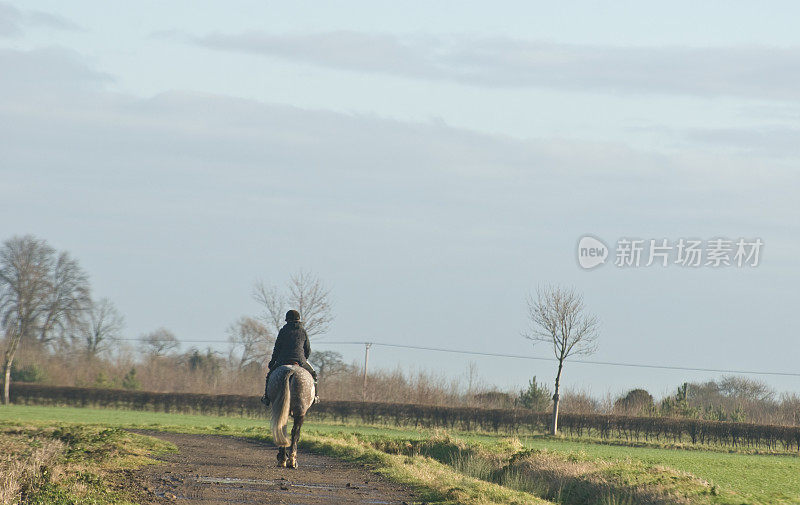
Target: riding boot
<point>265,398</point>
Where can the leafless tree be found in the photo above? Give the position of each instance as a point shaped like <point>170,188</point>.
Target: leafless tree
<point>25,285</point>
<point>101,327</point>
<point>67,301</point>
<point>328,363</point>
<point>252,339</point>
<point>158,343</point>
<point>305,293</point>
<point>559,318</point>
<point>746,389</point>
<point>473,378</point>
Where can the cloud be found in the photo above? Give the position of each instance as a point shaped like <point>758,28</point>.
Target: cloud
<point>12,20</point>
<point>50,68</point>
<point>750,71</point>
<point>231,156</point>
<point>777,140</point>
<point>774,141</point>
<point>56,21</point>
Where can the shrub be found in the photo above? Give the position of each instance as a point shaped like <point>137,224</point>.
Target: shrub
<point>535,397</point>
<point>103,381</point>
<point>493,399</point>
<point>130,382</point>
<point>636,402</point>
<point>28,373</point>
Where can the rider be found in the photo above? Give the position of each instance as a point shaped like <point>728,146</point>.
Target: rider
<point>291,347</point>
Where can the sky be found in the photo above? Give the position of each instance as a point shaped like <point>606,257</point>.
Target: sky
<point>432,162</point>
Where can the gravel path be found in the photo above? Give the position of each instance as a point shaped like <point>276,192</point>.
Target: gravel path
<point>213,469</point>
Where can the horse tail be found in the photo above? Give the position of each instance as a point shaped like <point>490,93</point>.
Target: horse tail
<point>280,412</point>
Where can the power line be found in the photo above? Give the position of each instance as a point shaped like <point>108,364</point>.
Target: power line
<point>584,361</point>
<point>181,341</point>
<point>519,356</point>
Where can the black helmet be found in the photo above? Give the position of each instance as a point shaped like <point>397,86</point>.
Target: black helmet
<point>292,315</point>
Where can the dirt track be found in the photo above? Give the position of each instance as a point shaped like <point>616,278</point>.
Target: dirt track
<point>210,469</point>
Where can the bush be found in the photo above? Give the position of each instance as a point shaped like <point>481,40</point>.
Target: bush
<point>678,405</point>
<point>493,399</point>
<point>102,380</point>
<point>635,402</point>
<point>28,373</point>
<point>578,402</point>
<point>536,397</point>
<point>130,382</point>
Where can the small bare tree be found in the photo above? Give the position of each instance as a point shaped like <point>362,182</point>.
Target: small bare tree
<point>100,328</point>
<point>158,343</point>
<point>305,293</point>
<point>253,339</point>
<point>559,318</point>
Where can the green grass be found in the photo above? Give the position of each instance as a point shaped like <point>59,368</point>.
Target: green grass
<point>734,478</point>
<point>761,478</point>
<point>70,464</point>
<point>126,418</point>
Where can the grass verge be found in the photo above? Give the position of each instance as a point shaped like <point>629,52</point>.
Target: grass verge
<point>65,464</point>
<point>467,466</point>
<point>562,478</point>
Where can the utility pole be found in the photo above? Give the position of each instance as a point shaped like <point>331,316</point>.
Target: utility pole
<point>367,345</point>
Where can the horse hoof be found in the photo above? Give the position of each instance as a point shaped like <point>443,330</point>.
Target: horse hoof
<point>291,464</point>
<point>281,464</point>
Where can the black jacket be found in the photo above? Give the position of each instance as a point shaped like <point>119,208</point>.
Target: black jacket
<point>291,346</point>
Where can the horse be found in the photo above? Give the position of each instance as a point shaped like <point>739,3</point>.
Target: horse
<point>291,390</point>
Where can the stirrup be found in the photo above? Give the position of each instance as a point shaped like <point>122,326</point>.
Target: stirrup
<point>316,400</point>
<point>265,400</point>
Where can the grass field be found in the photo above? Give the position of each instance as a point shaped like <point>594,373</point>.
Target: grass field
<point>48,463</point>
<point>564,470</point>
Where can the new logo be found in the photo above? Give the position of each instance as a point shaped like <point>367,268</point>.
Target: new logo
<point>592,252</point>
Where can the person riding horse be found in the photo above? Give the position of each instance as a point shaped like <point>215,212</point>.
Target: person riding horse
<point>291,347</point>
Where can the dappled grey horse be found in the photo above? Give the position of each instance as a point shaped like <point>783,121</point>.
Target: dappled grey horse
<point>291,392</point>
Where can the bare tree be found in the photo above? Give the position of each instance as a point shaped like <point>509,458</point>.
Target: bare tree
<point>25,285</point>
<point>158,343</point>
<point>328,363</point>
<point>473,378</point>
<point>559,318</point>
<point>101,327</point>
<point>305,293</point>
<point>252,339</point>
<point>67,300</point>
<point>743,388</point>
<point>274,304</point>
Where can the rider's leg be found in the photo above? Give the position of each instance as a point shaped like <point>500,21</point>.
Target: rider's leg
<point>313,373</point>
<point>265,398</point>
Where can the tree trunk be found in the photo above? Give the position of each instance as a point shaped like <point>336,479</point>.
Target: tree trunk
<point>554,430</point>
<point>13,342</point>
<point>7,380</point>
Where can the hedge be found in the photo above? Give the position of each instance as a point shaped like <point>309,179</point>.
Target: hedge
<point>677,430</point>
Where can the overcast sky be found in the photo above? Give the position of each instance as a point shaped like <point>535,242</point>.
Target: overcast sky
<point>433,162</point>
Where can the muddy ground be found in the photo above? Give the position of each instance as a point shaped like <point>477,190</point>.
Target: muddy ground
<point>212,469</point>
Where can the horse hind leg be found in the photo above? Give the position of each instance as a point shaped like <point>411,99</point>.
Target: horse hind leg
<point>298,424</point>
<point>281,457</point>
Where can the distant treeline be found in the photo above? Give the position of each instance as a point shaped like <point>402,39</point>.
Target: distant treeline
<point>630,428</point>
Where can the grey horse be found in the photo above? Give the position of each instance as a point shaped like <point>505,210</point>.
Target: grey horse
<point>291,390</point>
